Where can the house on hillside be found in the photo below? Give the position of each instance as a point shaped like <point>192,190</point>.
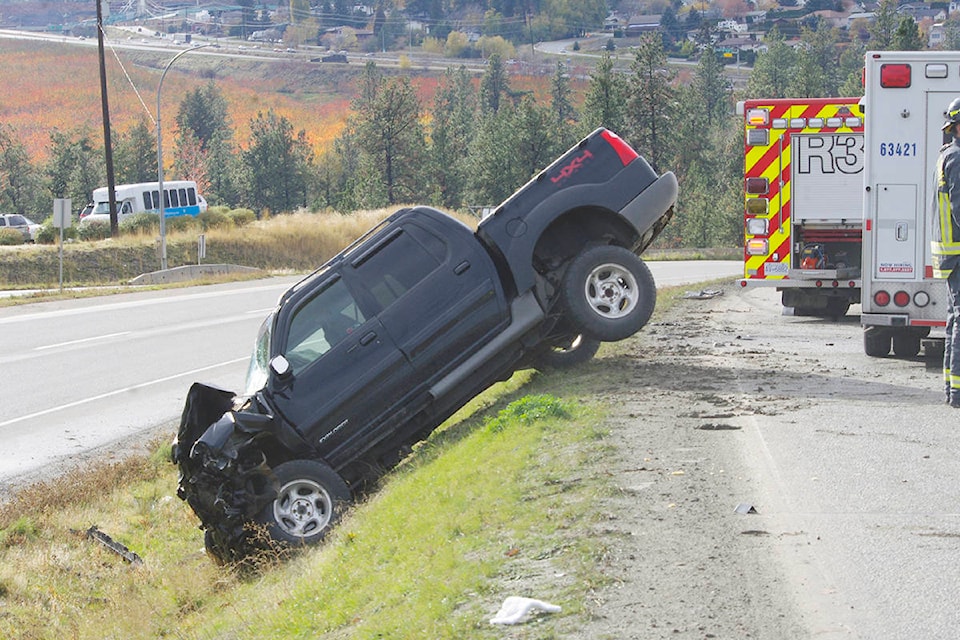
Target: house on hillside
<point>732,26</point>
<point>839,19</point>
<point>638,25</point>
<point>918,11</point>
<point>936,36</point>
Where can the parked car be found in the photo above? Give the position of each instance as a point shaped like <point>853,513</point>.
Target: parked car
<point>24,225</point>
<point>370,353</point>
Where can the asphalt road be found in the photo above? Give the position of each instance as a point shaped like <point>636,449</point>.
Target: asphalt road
<point>83,375</point>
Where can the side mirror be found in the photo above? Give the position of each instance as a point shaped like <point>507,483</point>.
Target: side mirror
<point>280,367</point>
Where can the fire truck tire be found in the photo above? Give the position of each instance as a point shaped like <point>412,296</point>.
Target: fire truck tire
<point>608,293</point>
<point>876,342</point>
<point>906,345</point>
<point>837,308</point>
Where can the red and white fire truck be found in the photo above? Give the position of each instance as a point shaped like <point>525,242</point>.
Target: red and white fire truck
<point>803,201</point>
<point>905,96</point>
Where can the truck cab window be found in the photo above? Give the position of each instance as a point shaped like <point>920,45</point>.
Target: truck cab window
<point>395,268</point>
<point>320,324</point>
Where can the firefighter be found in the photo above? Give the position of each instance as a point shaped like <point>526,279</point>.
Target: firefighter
<point>945,246</point>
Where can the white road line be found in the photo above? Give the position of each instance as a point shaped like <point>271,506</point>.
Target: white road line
<point>119,391</point>
<point>81,340</point>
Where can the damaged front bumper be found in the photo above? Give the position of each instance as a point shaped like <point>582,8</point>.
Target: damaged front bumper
<point>221,451</point>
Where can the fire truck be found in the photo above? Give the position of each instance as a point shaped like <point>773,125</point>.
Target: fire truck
<point>803,201</point>
<point>905,96</point>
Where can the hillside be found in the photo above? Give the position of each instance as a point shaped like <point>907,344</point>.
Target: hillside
<point>56,86</point>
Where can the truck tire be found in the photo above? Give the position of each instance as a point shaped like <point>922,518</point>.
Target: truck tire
<point>837,308</point>
<point>906,344</point>
<point>566,353</point>
<point>311,498</point>
<point>608,293</point>
<point>876,342</point>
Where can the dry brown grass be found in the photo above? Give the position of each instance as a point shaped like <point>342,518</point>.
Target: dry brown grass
<point>298,242</point>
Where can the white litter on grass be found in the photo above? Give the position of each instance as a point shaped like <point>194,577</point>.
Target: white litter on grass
<point>516,608</point>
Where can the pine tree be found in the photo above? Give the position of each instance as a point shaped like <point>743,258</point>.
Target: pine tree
<point>606,99</point>
<point>651,100</point>
<point>277,164</point>
<point>20,190</point>
<point>388,131</point>
<point>493,85</point>
<point>773,70</point>
<point>454,108</point>
<point>560,93</point>
<point>135,152</point>
<point>884,26</point>
<point>907,36</point>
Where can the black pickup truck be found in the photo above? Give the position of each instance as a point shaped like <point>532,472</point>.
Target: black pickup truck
<point>370,353</point>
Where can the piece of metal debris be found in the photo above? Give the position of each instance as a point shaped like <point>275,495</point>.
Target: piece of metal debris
<point>703,294</point>
<point>94,533</point>
<point>745,508</point>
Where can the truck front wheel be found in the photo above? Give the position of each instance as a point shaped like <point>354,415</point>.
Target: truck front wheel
<point>311,499</point>
<point>608,293</point>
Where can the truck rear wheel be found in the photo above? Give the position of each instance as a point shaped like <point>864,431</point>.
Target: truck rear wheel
<point>906,343</point>
<point>566,353</point>
<point>608,293</point>
<point>876,342</point>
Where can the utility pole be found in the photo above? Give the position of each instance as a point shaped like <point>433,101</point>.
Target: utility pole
<point>107,146</point>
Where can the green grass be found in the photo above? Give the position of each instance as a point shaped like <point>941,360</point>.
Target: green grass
<point>499,494</point>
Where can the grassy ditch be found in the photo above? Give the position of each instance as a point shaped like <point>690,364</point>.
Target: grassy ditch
<point>497,500</point>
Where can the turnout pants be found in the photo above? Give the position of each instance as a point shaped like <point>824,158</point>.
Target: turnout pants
<point>951,349</point>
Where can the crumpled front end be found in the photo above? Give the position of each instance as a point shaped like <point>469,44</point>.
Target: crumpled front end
<point>224,475</point>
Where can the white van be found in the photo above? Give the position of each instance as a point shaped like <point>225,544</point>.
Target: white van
<point>180,198</point>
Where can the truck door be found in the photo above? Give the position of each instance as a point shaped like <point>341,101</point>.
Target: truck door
<point>347,371</point>
<point>439,296</point>
<point>896,233</point>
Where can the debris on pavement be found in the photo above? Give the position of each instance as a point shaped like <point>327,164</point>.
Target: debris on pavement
<point>745,508</point>
<point>703,294</point>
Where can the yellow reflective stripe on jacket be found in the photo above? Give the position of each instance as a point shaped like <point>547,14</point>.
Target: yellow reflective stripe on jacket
<point>945,249</point>
<point>945,244</point>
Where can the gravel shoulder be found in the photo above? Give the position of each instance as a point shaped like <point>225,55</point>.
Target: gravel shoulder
<point>709,535</point>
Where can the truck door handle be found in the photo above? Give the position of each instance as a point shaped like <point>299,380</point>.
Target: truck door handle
<point>368,338</point>
<point>901,232</point>
<point>461,268</point>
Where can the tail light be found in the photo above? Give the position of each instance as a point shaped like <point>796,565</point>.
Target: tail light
<point>624,151</point>
<point>757,247</point>
<point>881,298</point>
<point>901,298</point>
<point>895,76</point>
<point>757,186</point>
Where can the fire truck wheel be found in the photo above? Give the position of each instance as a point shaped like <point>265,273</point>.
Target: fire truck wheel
<point>608,293</point>
<point>837,308</point>
<point>876,342</point>
<point>906,345</point>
